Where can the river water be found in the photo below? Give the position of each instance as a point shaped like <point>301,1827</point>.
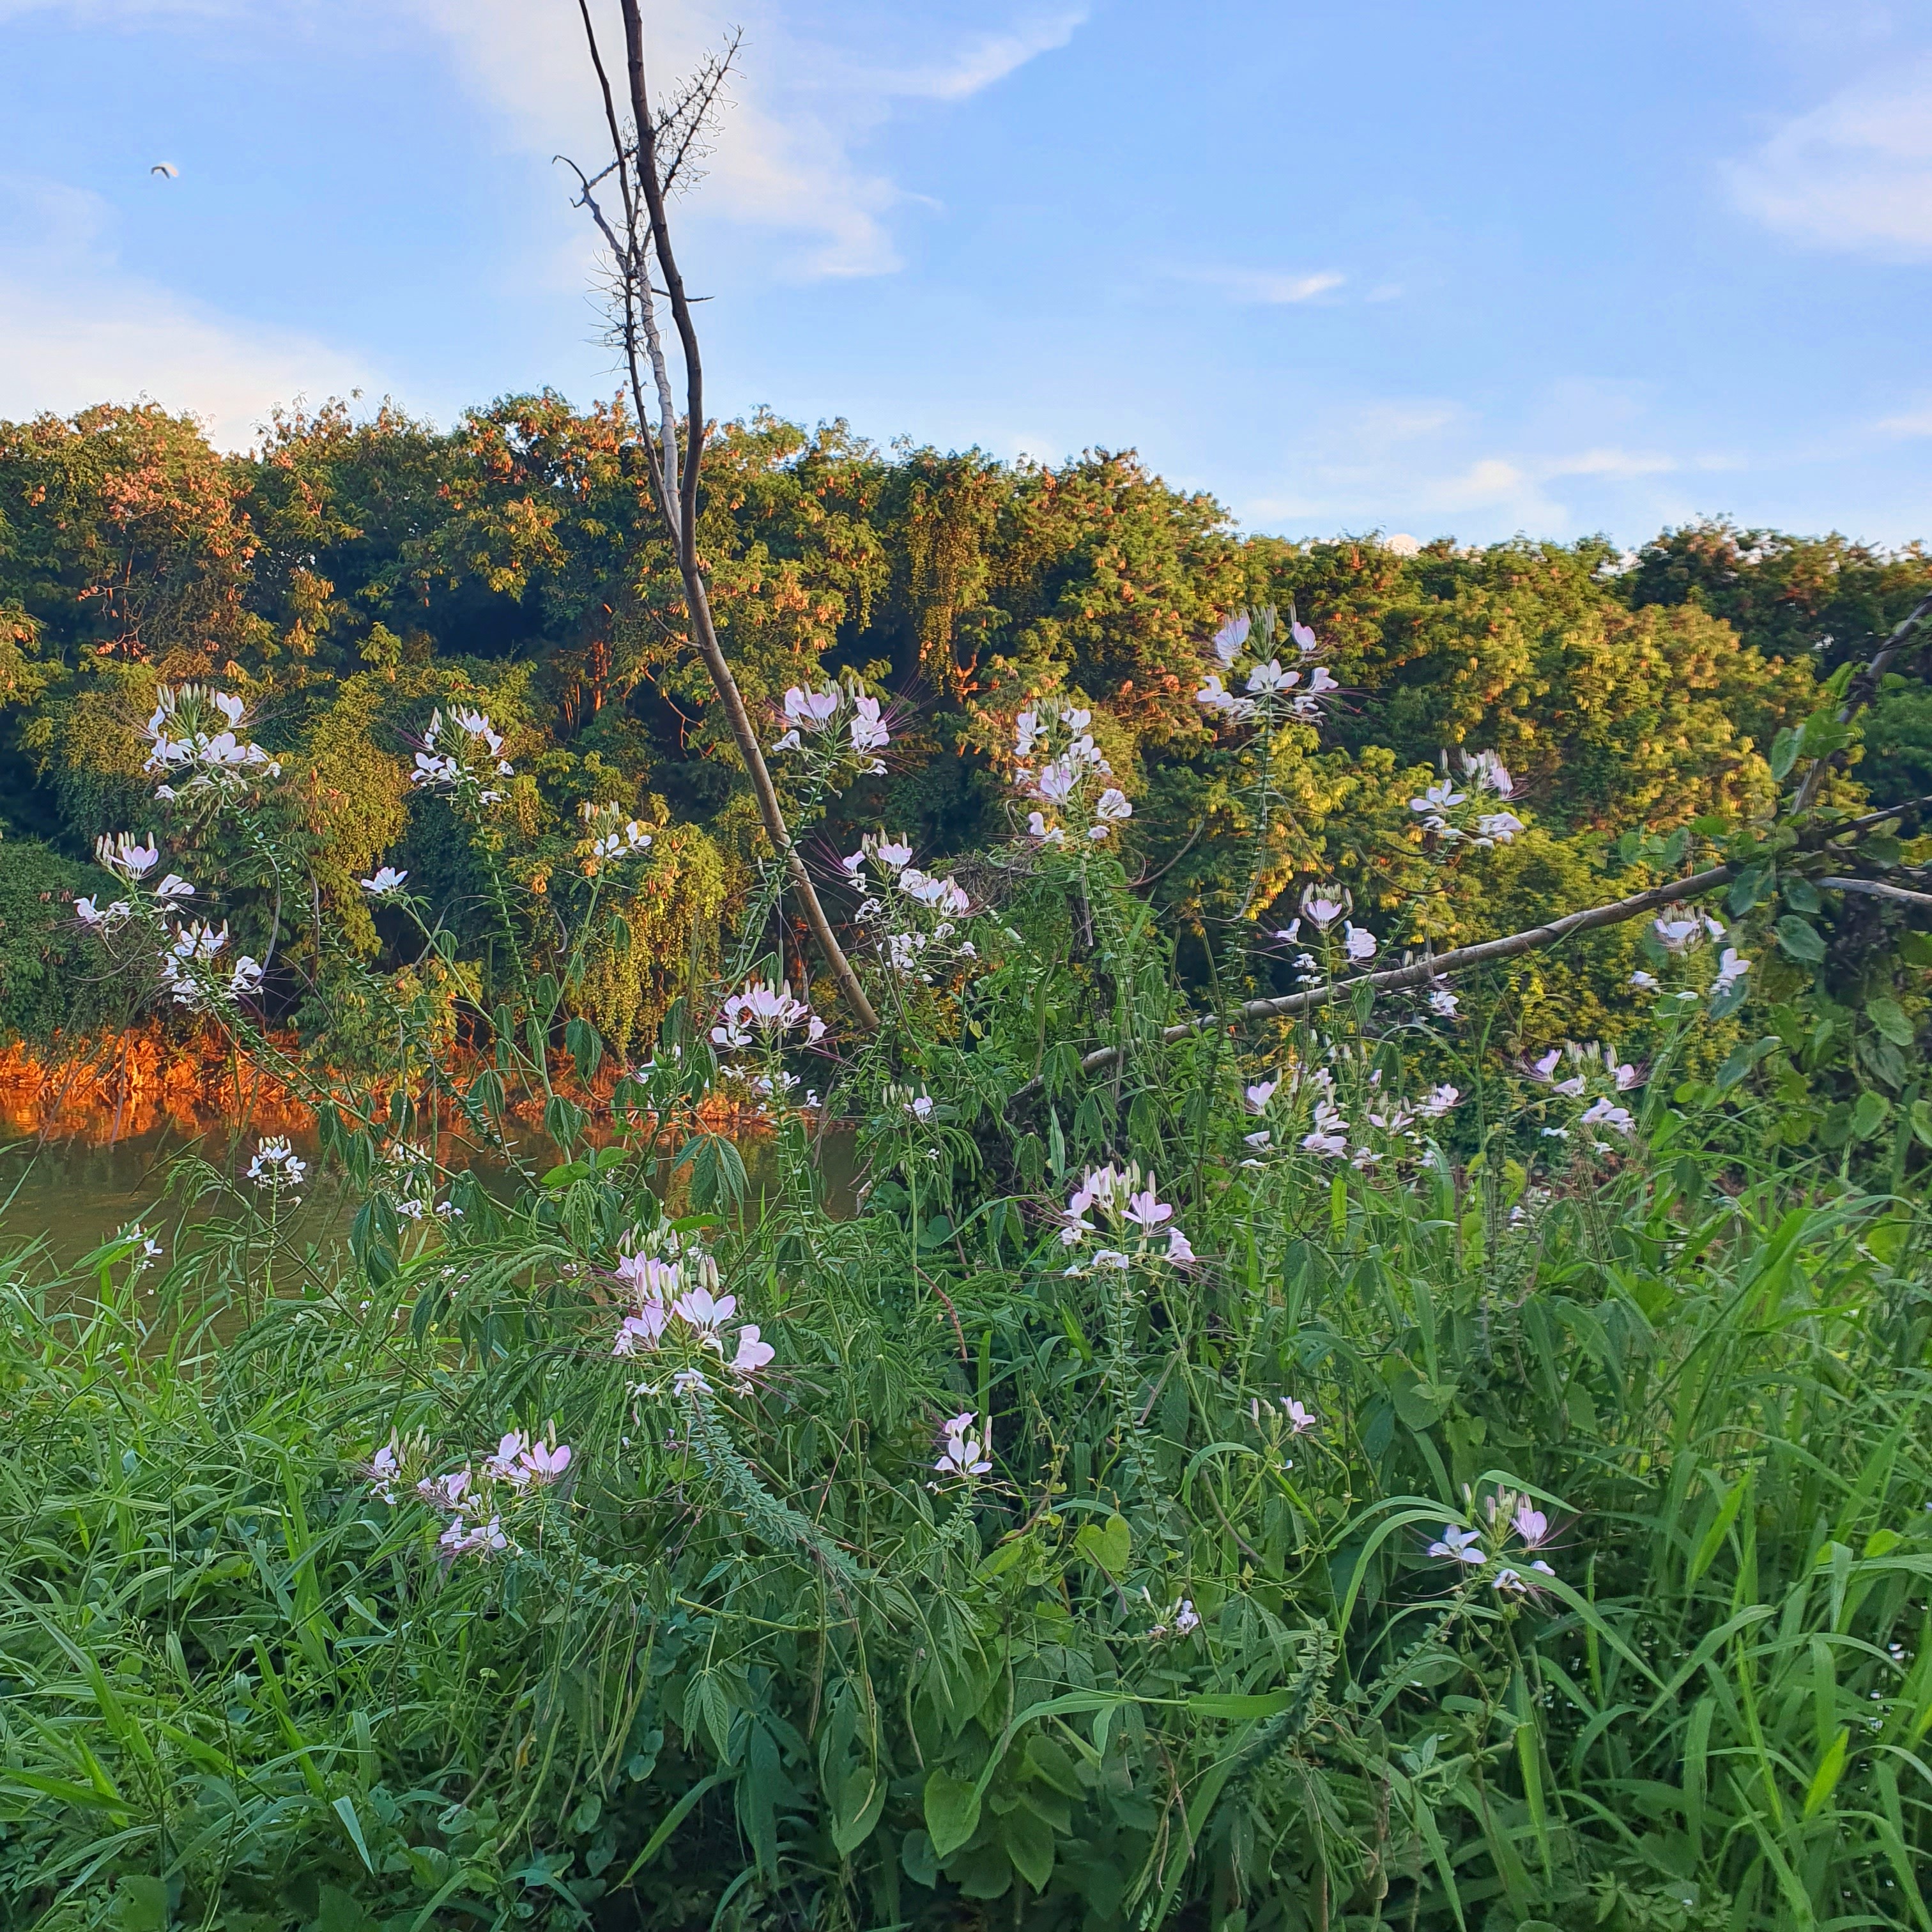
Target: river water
<point>70,1195</point>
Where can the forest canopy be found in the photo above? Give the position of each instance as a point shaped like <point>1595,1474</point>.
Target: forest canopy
<point>351,572</point>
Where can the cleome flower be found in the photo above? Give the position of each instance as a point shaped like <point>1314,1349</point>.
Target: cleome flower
<point>192,743</point>
<point>961,1455</point>
<point>276,1166</point>
<point>1245,650</point>
<point>1126,1204</point>
<point>462,753</point>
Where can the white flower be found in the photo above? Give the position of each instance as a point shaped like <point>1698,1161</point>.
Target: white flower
<point>277,1165</point>
<point>868,733</point>
<point>1644,982</point>
<point>754,1352</point>
<point>88,913</point>
<point>245,982</point>
<point>1330,1136</point>
<point>962,1454</point>
<point>1300,1420</point>
<point>1732,966</point>
<point>1265,679</point>
<point>1532,1525</point>
<point>690,1382</point>
<point>544,1461</point>
<point>1179,1250</point>
<point>1459,1545</point>
<point>1038,828</point>
<point>1231,637</point>
<point>1487,772</point>
<point>1443,1001</point>
<point>1324,910</point>
<point>1678,933</point>
<point>174,886</point>
<point>1305,640</point>
<point>1440,797</point>
<point>1358,942</point>
<point>120,856</point>
<point>1146,1212</point>
<point>704,1311</point>
<point>1260,1094</point>
<point>1606,1113</point>
<point>1113,805</point>
<point>1498,827</point>
<point>1437,1102</point>
<point>1186,1619</point>
<point>920,1106</point>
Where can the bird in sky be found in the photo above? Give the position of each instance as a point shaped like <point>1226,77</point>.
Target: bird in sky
<point>167,168</point>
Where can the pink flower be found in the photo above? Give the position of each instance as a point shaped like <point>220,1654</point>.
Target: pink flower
<point>544,1461</point>
<point>1532,1525</point>
<point>1300,1420</point>
<point>706,1312</point>
<point>1145,1212</point>
<point>754,1353</point>
<point>1179,1248</point>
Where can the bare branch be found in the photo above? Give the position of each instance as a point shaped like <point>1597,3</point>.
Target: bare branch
<point>1877,889</point>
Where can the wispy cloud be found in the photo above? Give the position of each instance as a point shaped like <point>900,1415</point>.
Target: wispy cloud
<point>76,328</point>
<point>1908,423</point>
<point>1854,174</point>
<point>785,157</point>
<point>960,74</point>
<point>1263,286</point>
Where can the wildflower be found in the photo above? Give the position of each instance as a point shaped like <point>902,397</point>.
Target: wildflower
<point>277,1165</point>
<point>1330,1135</point>
<point>754,1352</point>
<point>1437,1101</point>
<point>125,859</point>
<point>1677,931</point>
<point>1265,679</point>
<point>1485,771</point>
<point>386,881</point>
<point>445,1493</point>
<point>1532,1525</point>
<point>1115,805</point>
<point>1357,943</point>
<point>174,886</point>
<point>1146,1212</point>
<point>504,1465</point>
<point>868,732</point>
<point>1443,1001</point>
<point>704,1311</point>
<point>1260,1094</point>
<point>920,1106</point>
<point>1186,1619</point>
<point>1300,1420</point>
<point>1038,828</point>
<point>1179,1250</point>
<point>1458,1544</point>
<point>690,1382</point>
<point>652,1276</point>
<point>1604,1113</point>
<point>88,913</point>
<point>962,1456</point>
<point>1288,934</point>
<point>893,852</point>
<point>642,1329</point>
<point>1497,828</point>
<point>1732,966</point>
<point>1644,982</point>
<point>486,1539</point>
<point>1258,1141</point>
<point>1228,640</point>
<point>384,1467</point>
<point>545,1462</point>
<point>1441,797</point>
<point>1325,911</point>
<point>245,982</point>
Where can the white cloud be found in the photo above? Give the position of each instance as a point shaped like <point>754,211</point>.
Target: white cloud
<point>1259,285</point>
<point>76,329</point>
<point>1854,174</point>
<point>1908,423</point>
<point>783,155</point>
<point>1619,464</point>
<point>960,75</point>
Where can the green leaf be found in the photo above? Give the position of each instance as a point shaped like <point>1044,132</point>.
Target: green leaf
<point>580,1040</point>
<point>1869,1115</point>
<point>1027,1839</point>
<point>1107,1547</point>
<point>952,1811</point>
<point>1921,1121</point>
<point>1888,1016</point>
<point>1800,939</point>
<point>1825,1779</point>
<point>142,1905</point>
<point>345,1809</point>
<point>1802,896</point>
<point>1784,753</point>
<point>861,1797</point>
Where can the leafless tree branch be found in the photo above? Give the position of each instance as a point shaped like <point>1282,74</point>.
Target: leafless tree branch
<point>660,151</point>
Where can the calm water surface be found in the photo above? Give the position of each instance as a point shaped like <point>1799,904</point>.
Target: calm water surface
<point>74,1194</point>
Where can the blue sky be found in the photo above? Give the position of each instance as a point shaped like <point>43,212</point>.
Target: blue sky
<point>1446,268</point>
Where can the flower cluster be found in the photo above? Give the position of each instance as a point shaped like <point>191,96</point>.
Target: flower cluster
<point>184,965</point>
<point>831,725</point>
<point>609,837</point>
<point>916,914</point>
<point>677,1309</point>
<point>762,1015</point>
<point>1511,1531</point>
<point>1137,1222</point>
<point>1246,652</point>
<point>1058,765</point>
<point>1679,931</point>
<point>408,1180</point>
<point>186,952</point>
<point>193,743</point>
<point>462,753</point>
<point>964,1447</point>
<point>1593,1074</point>
<point>1321,906</point>
<point>1475,812</point>
<point>1181,1619</point>
<point>276,1166</point>
<point>474,1499</point>
<point>1386,1128</point>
